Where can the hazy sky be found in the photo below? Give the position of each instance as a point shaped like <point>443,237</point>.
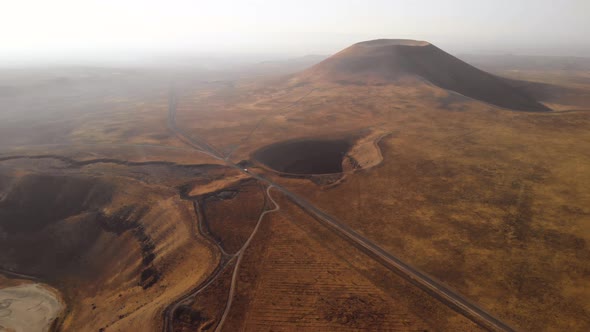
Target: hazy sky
<point>37,29</point>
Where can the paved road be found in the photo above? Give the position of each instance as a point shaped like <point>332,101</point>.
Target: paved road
<point>428,284</point>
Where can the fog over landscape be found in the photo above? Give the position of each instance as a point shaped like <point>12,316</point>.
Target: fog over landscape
<point>136,31</point>
<point>326,165</point>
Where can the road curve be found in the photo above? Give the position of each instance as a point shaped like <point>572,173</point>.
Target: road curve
<point>426,283</point>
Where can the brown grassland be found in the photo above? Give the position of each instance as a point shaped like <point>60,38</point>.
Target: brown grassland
<point>100,199</point>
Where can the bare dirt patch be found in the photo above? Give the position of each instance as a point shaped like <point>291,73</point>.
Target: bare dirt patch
<point>29,307</point>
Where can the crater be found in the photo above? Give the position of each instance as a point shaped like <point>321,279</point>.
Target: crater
<point>36,202</point>
<point>53,226</point>
<point>304,156</point>
<point>393,42</point>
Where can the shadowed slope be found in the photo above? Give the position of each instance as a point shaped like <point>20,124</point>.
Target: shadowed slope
<point>305,156</point>
<point>115,247</point>
<point>385,61</point>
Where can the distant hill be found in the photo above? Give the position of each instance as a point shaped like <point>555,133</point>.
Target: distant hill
<point>385,61</point>
<point>527,62</point>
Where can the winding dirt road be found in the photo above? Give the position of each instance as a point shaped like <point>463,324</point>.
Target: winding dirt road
<point>223,264</point>
<point>240,255</point>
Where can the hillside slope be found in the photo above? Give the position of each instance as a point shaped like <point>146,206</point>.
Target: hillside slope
<point>385,61</point>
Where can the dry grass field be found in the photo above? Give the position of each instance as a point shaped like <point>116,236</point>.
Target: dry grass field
<point>299,276</point>
<point>497,212</point>
<point>105,196</point>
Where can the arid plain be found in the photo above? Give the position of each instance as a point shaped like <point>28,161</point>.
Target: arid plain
<point>188,200</point>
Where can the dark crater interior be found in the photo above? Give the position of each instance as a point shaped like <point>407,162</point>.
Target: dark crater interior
<point>37,201</point>
<point>306,156</point>
<point>46,222</point>
<point>53,226</point>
